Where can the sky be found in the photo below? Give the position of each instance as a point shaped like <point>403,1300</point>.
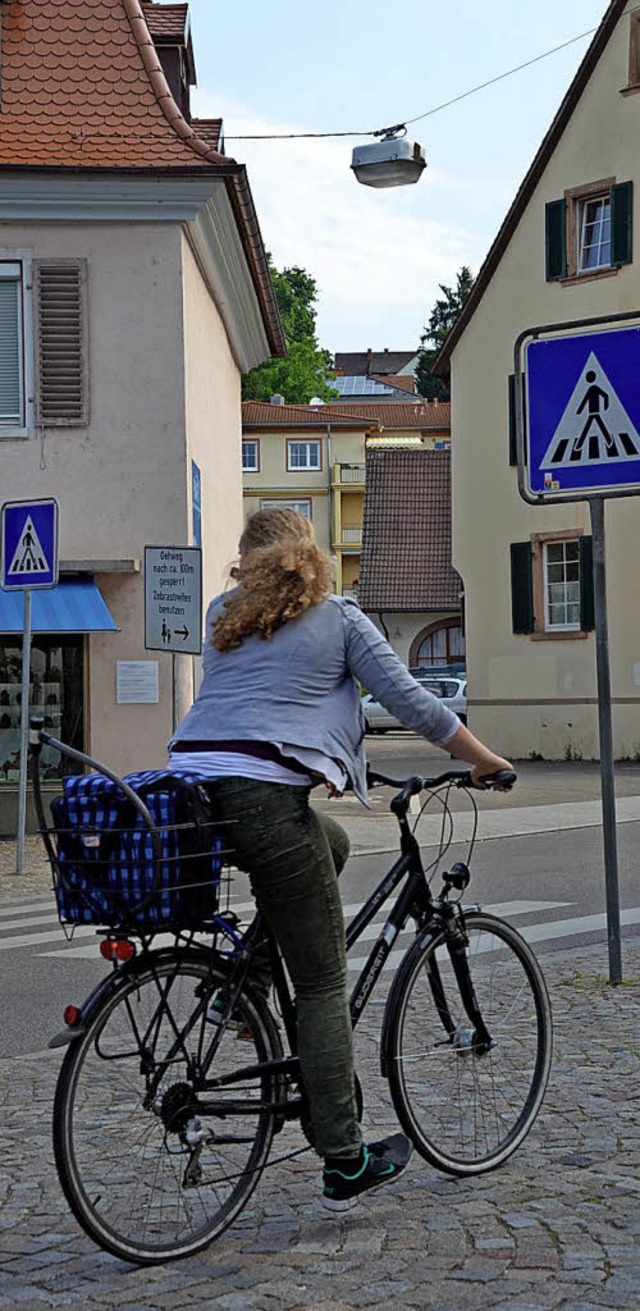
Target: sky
<point>378,257</point>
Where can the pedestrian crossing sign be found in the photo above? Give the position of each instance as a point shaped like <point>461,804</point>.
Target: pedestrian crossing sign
<point>29,545</point>
<point>583,413</point>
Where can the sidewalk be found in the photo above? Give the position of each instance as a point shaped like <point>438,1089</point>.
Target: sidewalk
<point>556,1229</point>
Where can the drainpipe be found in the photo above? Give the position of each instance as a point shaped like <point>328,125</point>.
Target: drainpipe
<point>330,470</point>
<point>383,625</point>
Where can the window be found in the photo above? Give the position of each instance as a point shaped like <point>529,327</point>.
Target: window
<point>440,644</point>
<point>251,457</point>
<point>634,48</point>
<point>552,585</point>
<point>43,344</point>
<point>303,507</point>
<point>561,570</point>
<point>594,240</point>
<point>12,389</point>
<point>303,455</point>
<point>589,232</point>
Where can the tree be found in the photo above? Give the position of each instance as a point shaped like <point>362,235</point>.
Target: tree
<point>302,374</point>
<point>443,316</point>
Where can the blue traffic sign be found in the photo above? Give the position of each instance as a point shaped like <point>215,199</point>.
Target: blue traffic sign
<point>29,545</point>
<point>583,413</point>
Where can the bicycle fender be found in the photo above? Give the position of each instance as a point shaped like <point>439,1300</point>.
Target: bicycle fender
<point>424,939</point>
<point>112,983</point>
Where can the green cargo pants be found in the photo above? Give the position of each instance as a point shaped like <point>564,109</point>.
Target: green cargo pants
<point>293,856</point>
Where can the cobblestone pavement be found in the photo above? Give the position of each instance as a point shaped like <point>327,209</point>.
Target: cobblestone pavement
<point>558,1227</point>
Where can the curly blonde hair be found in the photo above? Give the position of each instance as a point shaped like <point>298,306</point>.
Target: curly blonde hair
<point>282,572</point>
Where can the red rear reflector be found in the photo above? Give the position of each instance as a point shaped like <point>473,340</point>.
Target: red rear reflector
<point>117,949</point>
<point>71,1016</point>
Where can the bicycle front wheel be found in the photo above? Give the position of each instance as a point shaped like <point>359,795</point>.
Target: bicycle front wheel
<point>146,1174</point>
<point>468,1105</point>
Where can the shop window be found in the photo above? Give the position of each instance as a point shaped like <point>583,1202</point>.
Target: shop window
<point>56,693</point>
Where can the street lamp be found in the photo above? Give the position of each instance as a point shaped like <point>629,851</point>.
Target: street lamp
<point>392,162</point>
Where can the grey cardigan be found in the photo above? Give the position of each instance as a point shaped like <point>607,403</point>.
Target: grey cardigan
<point>301,687</point>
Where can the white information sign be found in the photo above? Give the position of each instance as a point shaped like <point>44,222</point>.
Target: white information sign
<point>137,682</point>
<point>173,599</point>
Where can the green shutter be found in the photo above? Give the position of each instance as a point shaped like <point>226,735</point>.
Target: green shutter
<point>587,613</point>
<point>513,446</point>
<point>556,239</point>
<point>622,223</point>
<point>513,453</point>
<point>521,587</point>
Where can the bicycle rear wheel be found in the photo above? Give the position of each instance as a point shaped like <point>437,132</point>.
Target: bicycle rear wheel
<point>127,1098</point>
<point>467,1108</point>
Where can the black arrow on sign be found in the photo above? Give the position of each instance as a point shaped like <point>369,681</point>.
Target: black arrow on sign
<point>182,632</point>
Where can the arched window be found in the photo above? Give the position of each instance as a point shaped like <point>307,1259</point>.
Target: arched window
<point>441,643</point>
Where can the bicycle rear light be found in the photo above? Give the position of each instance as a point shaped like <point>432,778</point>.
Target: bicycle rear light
<point>72,1016</point>
<point>117,949</point>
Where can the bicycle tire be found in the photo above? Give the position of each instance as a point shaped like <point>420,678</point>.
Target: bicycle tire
<point>468,1110</point>
<point>121,1164</point>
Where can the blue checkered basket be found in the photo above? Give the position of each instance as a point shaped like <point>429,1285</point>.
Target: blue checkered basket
<point>106,867</point>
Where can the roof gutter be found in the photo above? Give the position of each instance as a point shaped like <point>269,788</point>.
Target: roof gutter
<point>234,174</point>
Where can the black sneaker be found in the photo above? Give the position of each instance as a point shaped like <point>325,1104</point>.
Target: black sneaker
<point>380,1163</point>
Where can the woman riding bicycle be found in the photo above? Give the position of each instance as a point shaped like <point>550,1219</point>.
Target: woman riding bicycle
<point>278,712</point>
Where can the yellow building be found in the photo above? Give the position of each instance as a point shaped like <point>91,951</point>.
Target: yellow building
<point>312,459</point>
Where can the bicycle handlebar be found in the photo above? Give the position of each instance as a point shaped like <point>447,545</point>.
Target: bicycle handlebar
<point>410,787</point>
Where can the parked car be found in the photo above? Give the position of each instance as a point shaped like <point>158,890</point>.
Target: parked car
<point>453,691</point>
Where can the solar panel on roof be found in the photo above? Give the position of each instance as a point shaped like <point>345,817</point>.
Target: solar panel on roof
<point>359,385</point>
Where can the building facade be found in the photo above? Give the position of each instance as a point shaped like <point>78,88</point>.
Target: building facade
<point>313,459</point>
<point>134,291</point>
<point>567,251</point>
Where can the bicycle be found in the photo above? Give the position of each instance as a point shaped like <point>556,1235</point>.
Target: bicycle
<point>163,1120</point>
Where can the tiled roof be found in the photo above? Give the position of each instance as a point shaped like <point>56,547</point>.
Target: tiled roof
<point>406,540</point>
<point>405,381</point>
<point>209,130</point>
<point>83,88</point>
<point>82,85</point>
<point>168,22</point>
<point>398,414</point>
<point>373,362</point>
<point>262,414</point>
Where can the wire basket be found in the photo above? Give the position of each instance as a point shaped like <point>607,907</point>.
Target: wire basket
<point>114,868</point>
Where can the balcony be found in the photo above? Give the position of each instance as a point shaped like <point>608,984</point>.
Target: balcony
<point>351,593</point>
<point>351,536</point>
<point>352,474</point>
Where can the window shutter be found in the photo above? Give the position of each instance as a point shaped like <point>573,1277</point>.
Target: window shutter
<point>513,457</point>
<point>521,587</point>
<point>61,343</point>
<point>622,223</point>
<point>587,611</point>
<point>556,239</point>
<point>11,401</point>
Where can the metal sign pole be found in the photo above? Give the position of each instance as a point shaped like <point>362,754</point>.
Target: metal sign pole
<point>596,508</point>
<point>24,732</point>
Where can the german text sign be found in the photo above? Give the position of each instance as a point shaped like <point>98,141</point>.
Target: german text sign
<point>583,413</point>
<point>173,599</point>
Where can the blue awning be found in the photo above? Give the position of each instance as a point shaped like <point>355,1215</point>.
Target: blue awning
<point>74,606</point>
